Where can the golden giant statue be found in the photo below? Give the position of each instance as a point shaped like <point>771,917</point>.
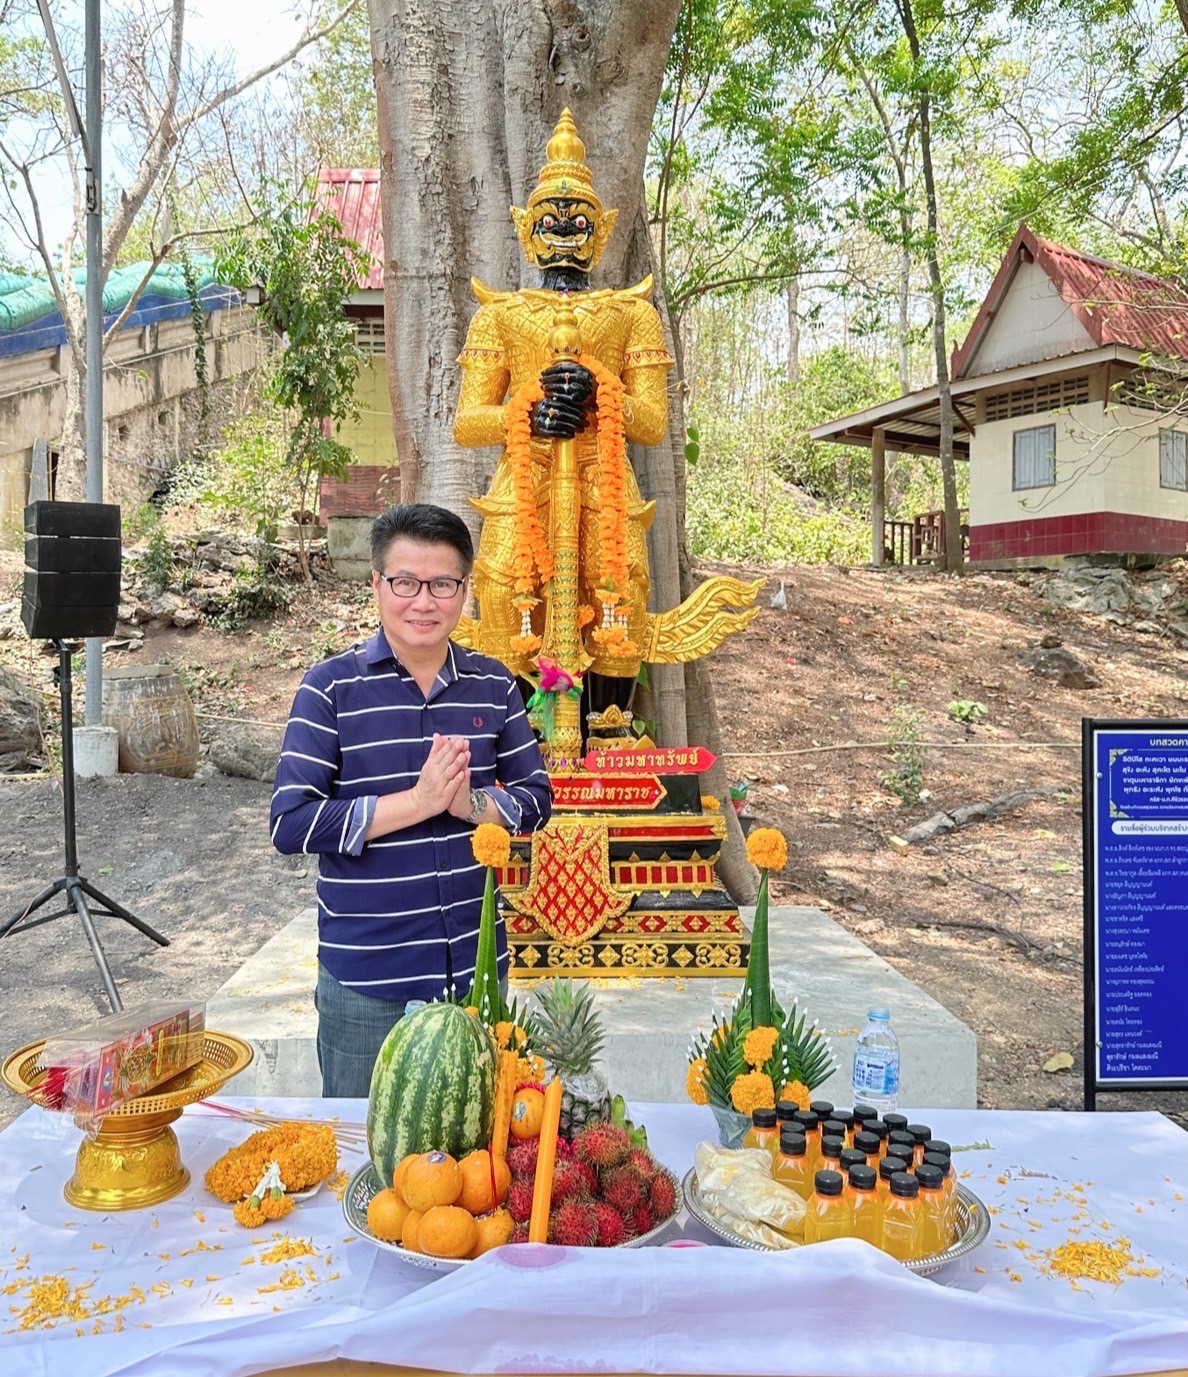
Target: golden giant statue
<point>562,377</point>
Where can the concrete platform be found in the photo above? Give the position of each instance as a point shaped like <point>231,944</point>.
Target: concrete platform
<point>649,1022</point>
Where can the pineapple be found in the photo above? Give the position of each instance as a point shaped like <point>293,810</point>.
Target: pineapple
<point>569,1037</point>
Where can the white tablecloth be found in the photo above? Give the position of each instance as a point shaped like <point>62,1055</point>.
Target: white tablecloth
<point>211,1305</point>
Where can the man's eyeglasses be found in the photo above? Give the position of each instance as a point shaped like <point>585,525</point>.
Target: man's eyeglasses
<point>405,586</point>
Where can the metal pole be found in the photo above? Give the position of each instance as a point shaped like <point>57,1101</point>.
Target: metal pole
<point>94,326</point>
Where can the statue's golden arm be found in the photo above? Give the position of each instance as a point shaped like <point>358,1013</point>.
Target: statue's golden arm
<point>481,410</point>
<point>645,403</point>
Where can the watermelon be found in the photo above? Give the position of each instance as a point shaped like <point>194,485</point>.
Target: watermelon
<point>433,1087</point>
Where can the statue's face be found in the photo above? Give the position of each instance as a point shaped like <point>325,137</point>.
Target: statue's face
<point>563,234</point>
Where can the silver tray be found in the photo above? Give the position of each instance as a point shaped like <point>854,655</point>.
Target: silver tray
<point>973,1226</point>
<point>366,1182</point>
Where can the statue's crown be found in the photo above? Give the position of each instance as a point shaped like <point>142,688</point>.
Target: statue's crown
<point>565,174</point>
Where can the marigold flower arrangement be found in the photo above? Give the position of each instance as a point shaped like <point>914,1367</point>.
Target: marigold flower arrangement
<point>306,1153</point>
<point>755,1054</point>
<point>512,1030</point>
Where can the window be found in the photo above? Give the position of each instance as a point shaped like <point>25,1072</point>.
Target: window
<point>1173,460</point>
<point>1035,458</point>
<point>1038,397</point>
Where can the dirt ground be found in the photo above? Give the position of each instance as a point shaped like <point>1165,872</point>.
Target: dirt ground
<point>988,920</point>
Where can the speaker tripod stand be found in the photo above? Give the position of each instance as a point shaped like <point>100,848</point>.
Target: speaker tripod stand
<point>71,884</point>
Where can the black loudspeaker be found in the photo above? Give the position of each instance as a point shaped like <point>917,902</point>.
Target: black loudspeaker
<point>72,569</point>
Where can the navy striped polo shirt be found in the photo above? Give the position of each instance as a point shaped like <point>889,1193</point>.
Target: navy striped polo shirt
<point>398,917</point>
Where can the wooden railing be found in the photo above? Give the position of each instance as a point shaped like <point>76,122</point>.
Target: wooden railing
<point>923,540</point>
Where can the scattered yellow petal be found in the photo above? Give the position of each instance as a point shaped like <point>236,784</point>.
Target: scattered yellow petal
<point>156,1224</point>
<point>161,1288</point>
<point>225,1300</point>
<point>211,1277</point>
<point>199,1216</point>
<point>189,1281</point>
<point>98,1247</point>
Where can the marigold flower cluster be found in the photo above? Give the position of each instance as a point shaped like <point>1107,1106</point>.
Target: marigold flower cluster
<point>491,844</point>
<point>759,1044</point>
<point>252,1216</point>
<point>531,546</point>
<point>767,849</point>
<point>799,1093</point>
<point>305,1152</point>
<point>509,1036</point>
<point>695,1082</point>
<point>530,1070</point>
<point>752,1091</point>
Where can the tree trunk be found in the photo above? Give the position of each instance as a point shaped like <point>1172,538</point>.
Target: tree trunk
<point>468,93</point>
<point>792,299</point>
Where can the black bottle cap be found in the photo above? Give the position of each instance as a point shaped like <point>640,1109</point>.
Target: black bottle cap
<point>821,1108</point>
<point>832,1146</point>
<point>938,1160</point>
<point>863,1178</point>
<point>930,1177</point>
<point>763,1118</point>
<point>894,1121</point>
<point>890,1165</point>
<point>832,1128</point>
<point>806,1119</point>
<point>865,1112</point>
<point>877,1127</point>
<point>899,1137</point>
<point>852,1157</point>
<point>829,1182</point>
<point>866,1142</point>
<point>792,1142</point>
<point>786,1109</point>
<point>920,1132</point>
<point>905,1184</point>
<point>938,1145</point>
<point>844,1116</point>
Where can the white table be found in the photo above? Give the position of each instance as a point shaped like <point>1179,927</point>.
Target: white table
<point>837,1308</point>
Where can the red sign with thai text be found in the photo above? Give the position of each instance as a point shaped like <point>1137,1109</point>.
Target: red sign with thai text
<point>606,791</point>
<point>672,760</point>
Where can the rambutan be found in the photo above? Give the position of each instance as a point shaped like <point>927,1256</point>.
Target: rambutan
<point>569,1183</point>
<point>574,1225</point>
<point>662,1196</point>
<point>612,1227</point>
<point>588,1173</point>
<point>519,1234</point>
<point>643,1219</point>
<point>605,1145</point>
<point>622,1188</point>
<point>519,1201</point>
<point>521,1159</point>
<point>643,1162</point>
<point>564,1150</point>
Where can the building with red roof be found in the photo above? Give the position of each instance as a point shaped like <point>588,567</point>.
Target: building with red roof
<point>1070,398</point>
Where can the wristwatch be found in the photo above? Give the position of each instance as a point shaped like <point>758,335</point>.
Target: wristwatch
<point>478,805</point>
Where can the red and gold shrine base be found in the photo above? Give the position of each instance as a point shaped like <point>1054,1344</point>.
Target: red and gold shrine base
<point>608,892</point>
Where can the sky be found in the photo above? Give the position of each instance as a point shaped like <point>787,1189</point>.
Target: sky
<point>248,32</point>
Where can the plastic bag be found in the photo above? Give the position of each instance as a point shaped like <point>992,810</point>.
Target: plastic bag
<point>737,1187</point>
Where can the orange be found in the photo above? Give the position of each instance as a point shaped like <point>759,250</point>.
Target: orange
<point>493,1231</point>
<point>433,1178</point>
<point>398,1175</point>
<point>527,1112</point>
<point>447,1231</point>
<point>412,1225</point>
<point>386,1213</point>
<point>477,1194</point>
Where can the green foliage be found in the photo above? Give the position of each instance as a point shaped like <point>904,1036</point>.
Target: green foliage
<point>157,562</point>
<point>255,593</point>
<point>966,710</point>
<point>905,778</point>
<point>138,521</point>
<point>249,483</point>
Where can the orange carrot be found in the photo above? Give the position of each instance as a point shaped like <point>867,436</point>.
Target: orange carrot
<point>505,1095</point>
<point>546,1158</point>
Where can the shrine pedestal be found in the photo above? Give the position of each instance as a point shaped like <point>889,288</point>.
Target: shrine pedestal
<point>623,880</point>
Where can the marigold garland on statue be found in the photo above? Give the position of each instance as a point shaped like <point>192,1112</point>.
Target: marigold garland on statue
<point>755,1047</point>
<point>531,546</point>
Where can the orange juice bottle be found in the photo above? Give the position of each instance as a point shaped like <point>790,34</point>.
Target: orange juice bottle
<point>932,1206</point>
<point>762,1133</point>
<point>864,1114</point>
<point>786,1115</point>
<point>790,1167</point>
<point>937,1159</point>
<point>845,1117</point>
<point>895,1122</point>
<point>823,1109</point>
<point>868,1145</point>
<point>828,1215</point>
<point>852,1157</point>
<point>900,1143</point>
<point>920,1134</point>
<point>810,1126</point>
<point>888,1166</point>
<point>833,1128</point>
<point>879,1129</point>
<point>903,1223</point>
<point>831,1151</point>
<point>866,1209</point>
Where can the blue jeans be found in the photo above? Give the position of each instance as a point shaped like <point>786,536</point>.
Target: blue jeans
<point>351,1030</point>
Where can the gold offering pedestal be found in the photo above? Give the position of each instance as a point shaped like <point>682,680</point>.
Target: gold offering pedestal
<point>134,1159</point>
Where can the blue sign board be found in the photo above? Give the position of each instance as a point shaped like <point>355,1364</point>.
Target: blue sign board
<point>1136,905</point>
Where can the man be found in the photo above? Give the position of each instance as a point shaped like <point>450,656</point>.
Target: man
<point>395,750</point>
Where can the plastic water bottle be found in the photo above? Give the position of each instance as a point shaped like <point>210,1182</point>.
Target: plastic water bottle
<point>876,1063</point>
